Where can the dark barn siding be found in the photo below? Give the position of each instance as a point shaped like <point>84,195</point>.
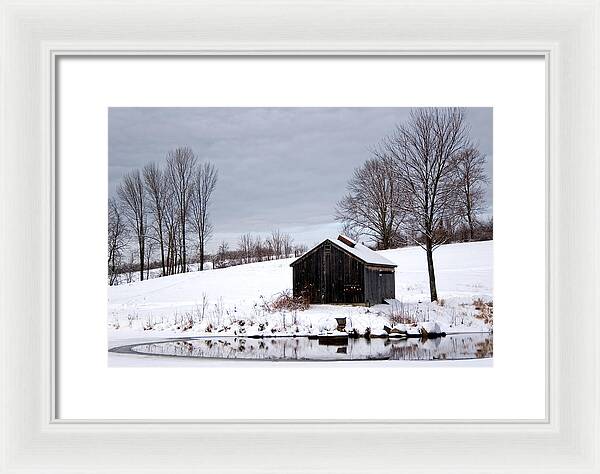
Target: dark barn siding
<point>329,275</point>
<point>380,284</point>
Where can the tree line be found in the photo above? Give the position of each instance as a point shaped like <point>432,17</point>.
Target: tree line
<point>251,248</point>
<point>161,209</point>
<point>423,185</point>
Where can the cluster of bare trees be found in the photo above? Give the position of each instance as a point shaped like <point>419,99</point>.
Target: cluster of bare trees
<point>162,209</point>
<point>252,248</point>
<point>422,182</point>
<point>117,240</point>
<point>454,230</point>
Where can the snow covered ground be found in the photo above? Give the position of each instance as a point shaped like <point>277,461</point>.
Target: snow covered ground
<point>231,301</point>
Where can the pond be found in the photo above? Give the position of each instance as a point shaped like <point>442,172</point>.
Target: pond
<point>451,347</point>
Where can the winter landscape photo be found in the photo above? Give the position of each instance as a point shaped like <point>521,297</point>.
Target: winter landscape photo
<point>355,236</point>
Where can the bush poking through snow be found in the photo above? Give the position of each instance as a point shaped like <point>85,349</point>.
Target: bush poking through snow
<point>284,301</point>
<point>148,324</point>
<point>485,311</point>
<point>401,314</point>
<point>187,322</point>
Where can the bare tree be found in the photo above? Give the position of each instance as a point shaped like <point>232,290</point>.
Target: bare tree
<point>221,255</point>
<point>287,245</point>
<point>117,234</point>
<point>149,250</point>
<point>130,268</point>
<point>133,198</point>
<point>300,249</point>
<point>171,219</point>
<point>259,249</point>
<point>180,169</point>
<point>204,183</point>
<point>372,204</point>
<point>245,246</point>
<point>275,244</point>
<point>156,188</point>
<point>425,152</point>
<point>470,178</point>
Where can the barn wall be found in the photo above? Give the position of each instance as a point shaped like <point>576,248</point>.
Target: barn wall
<point>307,277</point>
<point>329,276</point>
<point>380,284</point>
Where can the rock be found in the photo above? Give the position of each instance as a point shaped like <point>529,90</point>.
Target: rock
<point>396,331</point>
<point>378,333</point>
<point>429,328</point>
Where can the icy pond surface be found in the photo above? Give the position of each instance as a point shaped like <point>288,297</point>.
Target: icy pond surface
<point>452,347</point>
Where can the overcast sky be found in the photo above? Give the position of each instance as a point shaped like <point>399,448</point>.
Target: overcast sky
<point>278,167</point>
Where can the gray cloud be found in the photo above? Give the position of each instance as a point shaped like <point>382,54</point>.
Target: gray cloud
<point>278,167</point>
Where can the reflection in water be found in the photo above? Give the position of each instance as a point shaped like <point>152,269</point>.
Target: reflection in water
<point>459,346</point>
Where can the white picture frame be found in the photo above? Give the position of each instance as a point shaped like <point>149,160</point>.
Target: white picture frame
<point>34,35</point>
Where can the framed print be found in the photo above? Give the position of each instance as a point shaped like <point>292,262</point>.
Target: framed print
<point>236,243</point>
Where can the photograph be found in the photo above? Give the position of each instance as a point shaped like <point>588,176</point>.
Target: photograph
<point>310,234</point>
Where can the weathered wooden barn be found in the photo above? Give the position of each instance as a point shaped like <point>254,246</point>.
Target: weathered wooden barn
<point>343,271</point>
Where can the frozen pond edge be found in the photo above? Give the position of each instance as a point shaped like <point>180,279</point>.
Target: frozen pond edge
<point>123,355</point>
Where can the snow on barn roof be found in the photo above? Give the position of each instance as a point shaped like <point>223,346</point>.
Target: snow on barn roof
<point>360,251</point>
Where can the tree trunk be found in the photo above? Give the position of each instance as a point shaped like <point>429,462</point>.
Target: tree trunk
<point>162,247</point>
<point>201,256</point>
<point>471,228</point>
<point>183,255</point>
<point>430,269</point>
<point>385,240</point>
<point>141,261</point>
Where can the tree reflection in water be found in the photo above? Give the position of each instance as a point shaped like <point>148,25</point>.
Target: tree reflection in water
<point>452,347</point>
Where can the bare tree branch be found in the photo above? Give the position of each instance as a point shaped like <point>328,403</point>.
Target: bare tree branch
<point>180,168</point>
<point>372,205</point>
<point>204,183</point>
<point>133,199</point>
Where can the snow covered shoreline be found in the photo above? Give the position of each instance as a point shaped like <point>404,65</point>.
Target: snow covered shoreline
<point>234,301</point>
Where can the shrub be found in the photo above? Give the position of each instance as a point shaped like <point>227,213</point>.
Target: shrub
<point>187,322</point>
<point>485,311</point>
<point>401,314</point>
<point>285,301</point>
<point>148,324</point>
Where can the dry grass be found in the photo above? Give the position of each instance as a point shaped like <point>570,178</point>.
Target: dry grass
<point>401,314</point>
<point>485,310</point>
<point>285,301</point>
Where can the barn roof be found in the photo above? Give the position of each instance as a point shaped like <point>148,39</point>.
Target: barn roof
<point>358,250</point>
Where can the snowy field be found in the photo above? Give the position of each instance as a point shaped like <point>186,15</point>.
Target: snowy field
<point>233,301</point>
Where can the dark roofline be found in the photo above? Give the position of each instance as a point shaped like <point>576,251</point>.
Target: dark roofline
<point>343,250</point>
